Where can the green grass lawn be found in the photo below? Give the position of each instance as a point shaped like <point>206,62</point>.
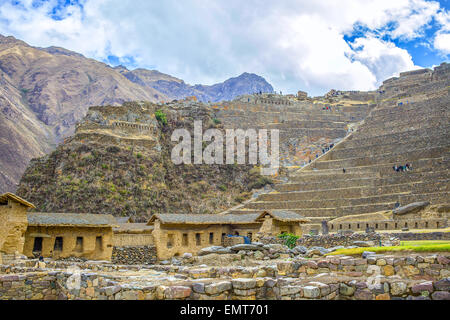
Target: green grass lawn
<point>409,246</point>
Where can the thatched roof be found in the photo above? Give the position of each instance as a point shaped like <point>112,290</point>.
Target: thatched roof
<point>204,218</point>
<point>133,228</point>
<point>11,196</point>
<point>124,220</point>
<point>284,216</point>
<point>243,218</point>
<point>71,220</point>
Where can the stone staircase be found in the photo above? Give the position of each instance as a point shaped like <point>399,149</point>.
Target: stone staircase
<point>416,132</point>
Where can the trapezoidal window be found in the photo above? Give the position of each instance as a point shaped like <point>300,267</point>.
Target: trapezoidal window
<point>198,239</point>
<point>169,240</point>
<point>59,243</point>
<point>211,237</point>
<point>79,244</point>
<point>185,240</point>
<point>99,243</point>
<point>37,246</point>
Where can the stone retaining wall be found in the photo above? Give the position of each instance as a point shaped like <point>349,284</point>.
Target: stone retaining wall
<point>412,277</point>
<point>336,239</point>
<point>422,236</point>
<point>134,255</point>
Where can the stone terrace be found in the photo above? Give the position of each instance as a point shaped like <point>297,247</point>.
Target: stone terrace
<point>305,126</point>
<point>410,124</point>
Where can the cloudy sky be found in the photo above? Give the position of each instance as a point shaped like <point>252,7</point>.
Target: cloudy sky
<point>295,44</point>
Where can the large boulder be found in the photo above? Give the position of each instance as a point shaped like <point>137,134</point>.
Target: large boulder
<point>362,243</point>
<point>410,208</point>
<point>244,246</point>
<point>300,250</point>
<point>214,249</point>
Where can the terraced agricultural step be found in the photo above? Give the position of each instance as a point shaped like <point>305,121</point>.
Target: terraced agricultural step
<point>403,199</point>
<point>379,170</point>
<point>404,157</point>
<point>394,178</point>
<point>336,202</point>
<point>370,150</point>
<point>398,137</point>
<point>354,192</point>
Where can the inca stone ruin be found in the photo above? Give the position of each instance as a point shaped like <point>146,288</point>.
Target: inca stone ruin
<point>357,170</point>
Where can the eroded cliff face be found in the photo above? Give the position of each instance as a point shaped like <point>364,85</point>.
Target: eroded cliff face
<point>119,162</point>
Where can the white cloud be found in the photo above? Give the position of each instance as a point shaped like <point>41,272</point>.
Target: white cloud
<point>442,38</point>
<point>442,42</point>
<point>383,59</point>
<point>294,44</point>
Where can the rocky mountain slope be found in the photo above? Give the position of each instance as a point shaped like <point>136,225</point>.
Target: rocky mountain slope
<point>119,162</point>
<point>45,91</point>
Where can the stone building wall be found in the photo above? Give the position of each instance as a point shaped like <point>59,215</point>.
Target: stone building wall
<point>132,239</point>
<point>13,224</point>
<point>391,224</point>
<point>96,243</point>
<point>174,240</point>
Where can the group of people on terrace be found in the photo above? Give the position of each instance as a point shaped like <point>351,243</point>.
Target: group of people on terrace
<point>406,167</point>
<point>328,148</point>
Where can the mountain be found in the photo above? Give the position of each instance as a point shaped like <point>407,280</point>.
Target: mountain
<point>44,92</point>
<point>244,84</point>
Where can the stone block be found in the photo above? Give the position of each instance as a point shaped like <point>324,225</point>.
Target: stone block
<point>363,294</point>
<point>244,283</point>
<point>440,295</point>
<point>311,292</point>
<point>424,286</point>
<point>346,290</point>
<point>442,285</point>
<point>398,288</point>
<point>218,287</point>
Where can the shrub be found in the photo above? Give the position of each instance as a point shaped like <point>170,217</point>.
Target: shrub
<point>161,117</point>
<point>223,187</point>
<point>259,183</point>
<point>289,239</point>
<point>216,121</point>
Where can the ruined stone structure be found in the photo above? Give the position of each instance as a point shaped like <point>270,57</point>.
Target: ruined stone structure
<point>133,126</point>
<point>62,235</point>
<point>409,125</point>
<point>176,234</point>
<point>13,223</point>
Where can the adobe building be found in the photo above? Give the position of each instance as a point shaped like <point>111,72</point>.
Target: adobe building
<point>13,223</point>
<point>131,234</point>
<point>62,235</point>
<point>175,234</point>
